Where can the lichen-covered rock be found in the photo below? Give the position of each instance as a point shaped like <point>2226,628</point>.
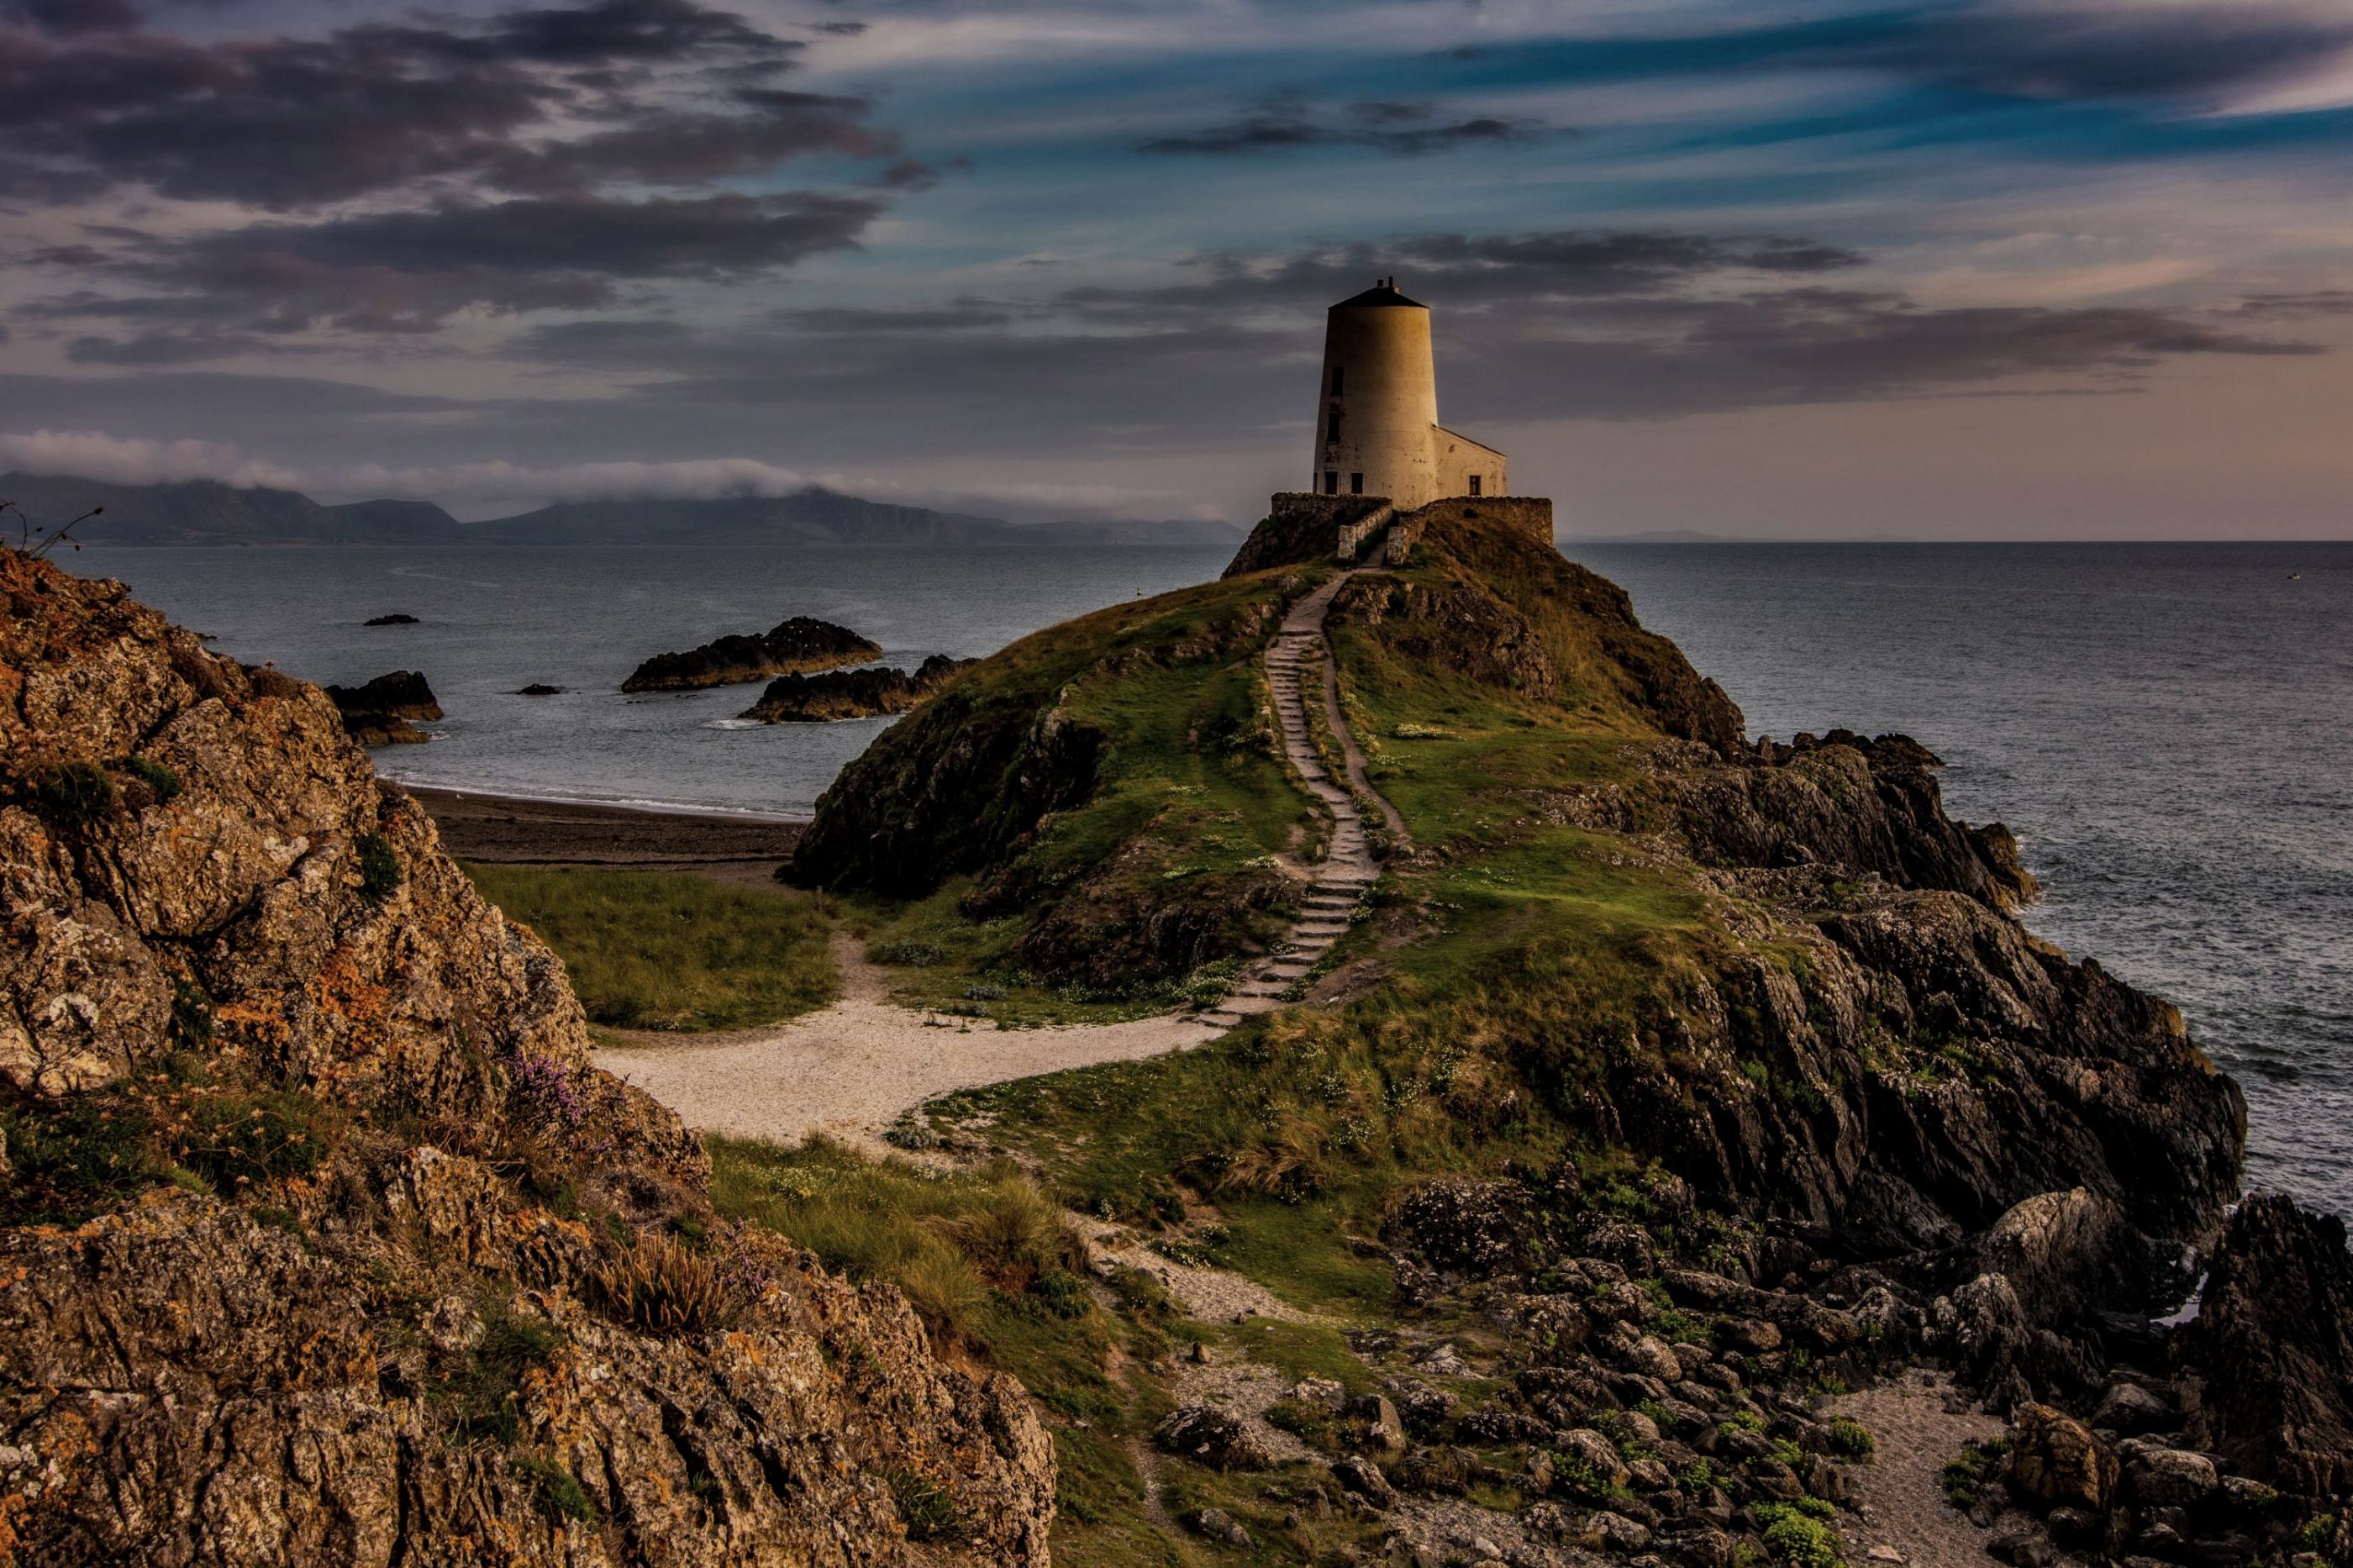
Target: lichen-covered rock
<point>323,1243</point>
<point>2055,1461</point>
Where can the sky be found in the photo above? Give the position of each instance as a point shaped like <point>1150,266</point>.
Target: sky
<point>1817,269</point>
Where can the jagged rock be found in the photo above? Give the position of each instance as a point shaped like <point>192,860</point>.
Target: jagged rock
<point>2056,1462</point>
<point>1383,1431</point>
<point>2128,1410</point>
<point>1651,1356</point>
<point>1362,1477</point>
<point>850,694</point>
<point>2170,1478</point>
<point>2272,1349</point>
<point>1217,1525</point>
<point>539,688</point>
<point>395,620</point>
<point>1209,1436</point>
<point>796,646</point>
<point>277,1370</point>
<point>1594,1454</point>
<point>1470,1228</point>
<point>379,713</point>
<point>1606,1530</point>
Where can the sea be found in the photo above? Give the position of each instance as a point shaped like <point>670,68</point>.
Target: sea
<point>2166,728</point>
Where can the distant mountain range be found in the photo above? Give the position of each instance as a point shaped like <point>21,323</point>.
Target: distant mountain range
<point>206,511</point>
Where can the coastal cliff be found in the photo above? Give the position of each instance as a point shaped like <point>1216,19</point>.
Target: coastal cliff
<point>322,1242</point>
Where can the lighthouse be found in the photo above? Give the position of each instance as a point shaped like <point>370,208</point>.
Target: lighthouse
<point>1377,429</point>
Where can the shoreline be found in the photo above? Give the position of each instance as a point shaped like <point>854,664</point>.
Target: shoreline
<point>499,830</point>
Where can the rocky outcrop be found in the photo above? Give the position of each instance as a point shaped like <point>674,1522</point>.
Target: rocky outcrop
<point>323,1243</point>
<point>790,647</point>
<point>2270,1352</point>
<point>851,693</point>
<point>395,620</point>
<point>380,712</point>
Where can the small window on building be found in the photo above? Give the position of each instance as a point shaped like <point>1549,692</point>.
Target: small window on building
<point>1331,483</point>
<point>1332,426</point>
<point>1335,381</point>
<point>1355,484</point>
<point>1474,484</point>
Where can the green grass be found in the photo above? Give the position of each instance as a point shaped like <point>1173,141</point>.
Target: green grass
<point>656,951</point>
<point>990,1264</point>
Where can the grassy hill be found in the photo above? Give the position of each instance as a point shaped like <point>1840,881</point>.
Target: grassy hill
<point>1697,1003</point>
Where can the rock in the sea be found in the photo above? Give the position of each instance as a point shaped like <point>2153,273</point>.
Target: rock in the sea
<point>395,620</point>
<point>324,1243</point>
<point>850,694</point>
<point>790,647</point>
<point>539,688</point>
<point>379,713</point>
<point>2271,1348</point>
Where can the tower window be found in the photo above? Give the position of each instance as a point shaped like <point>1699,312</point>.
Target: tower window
<point>1336,380</point>
<point>1355,484</point>
<point>1474,484</point>
<point>1331,483</point>
<point>1332,426</point>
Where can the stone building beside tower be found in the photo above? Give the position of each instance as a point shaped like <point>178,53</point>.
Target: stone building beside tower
<point>1377,429</point>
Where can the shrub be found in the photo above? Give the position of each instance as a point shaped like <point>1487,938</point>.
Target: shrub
<point>1794,1534</point>
<point>236,1139</point>
<point>72,1160</point>
<point>1851,1438</point>
<point>924,1505</point>
<point>74,797</point>
<point>664,1287</point>
<point>561,1496</point>
<point>479,1391</point>
<point>157,777</point>
<point>380,873</point>
<point>191,1016</point>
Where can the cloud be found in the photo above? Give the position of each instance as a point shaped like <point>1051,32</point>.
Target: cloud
<point>661,92</point>
<point>1397,129</point>
<point>1531,326</point>
<point>2198,55</point>
<point>93,455</point>
<point>411,271</point>
<point>70,17</point>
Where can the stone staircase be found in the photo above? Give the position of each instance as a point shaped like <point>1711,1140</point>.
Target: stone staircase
<point>1298,672</point>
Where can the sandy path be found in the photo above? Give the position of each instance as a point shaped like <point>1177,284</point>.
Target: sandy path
<point>851,1069</point>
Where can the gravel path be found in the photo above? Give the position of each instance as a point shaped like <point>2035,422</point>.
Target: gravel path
<point>1917,1423</point>
<point>849,1069</point>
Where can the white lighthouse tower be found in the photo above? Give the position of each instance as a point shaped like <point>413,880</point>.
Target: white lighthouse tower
<point>1377,429</point>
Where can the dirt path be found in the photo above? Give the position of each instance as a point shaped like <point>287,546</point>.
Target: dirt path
<point>1298,662</point>
<point>851,1069</point>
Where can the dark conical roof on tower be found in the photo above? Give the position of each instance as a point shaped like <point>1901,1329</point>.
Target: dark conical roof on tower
<point>1384,292</point>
